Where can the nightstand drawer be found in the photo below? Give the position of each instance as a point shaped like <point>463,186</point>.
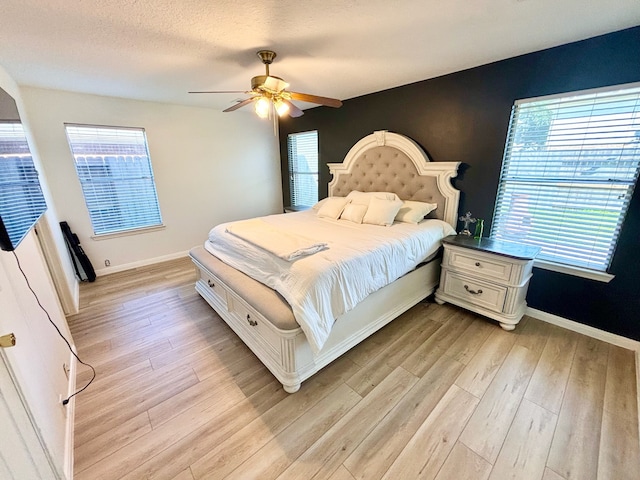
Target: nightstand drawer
<point>478,264</point>
<point>474,291</point>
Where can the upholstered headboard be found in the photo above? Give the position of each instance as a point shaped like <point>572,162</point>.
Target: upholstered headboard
<point>390,162</point>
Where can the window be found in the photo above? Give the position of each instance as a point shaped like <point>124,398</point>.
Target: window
<point>115,173</point>
<point>570,166</point>
<point>21,199</point>
<point>303,168</point>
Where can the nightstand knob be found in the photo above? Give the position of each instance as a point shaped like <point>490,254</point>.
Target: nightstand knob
<point>477,264</point>
<point>478,292</point>
<point>253,323</point>
<point>210,283</point>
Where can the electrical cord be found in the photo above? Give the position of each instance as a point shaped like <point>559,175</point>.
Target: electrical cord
<point>66,400</point>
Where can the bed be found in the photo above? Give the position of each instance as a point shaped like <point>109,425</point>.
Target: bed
<point>263,318</point>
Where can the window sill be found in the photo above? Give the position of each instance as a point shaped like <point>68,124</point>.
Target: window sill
<point>127,233</point>
<point>575,271</point>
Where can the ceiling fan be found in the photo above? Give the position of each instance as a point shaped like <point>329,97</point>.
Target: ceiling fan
<point>269,94</point>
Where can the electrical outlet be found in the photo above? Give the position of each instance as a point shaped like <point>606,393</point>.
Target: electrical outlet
<point>107,263</point>
<point>65,368</point>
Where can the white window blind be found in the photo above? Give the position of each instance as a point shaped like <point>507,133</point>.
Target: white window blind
<point>114,169</point>
<point>303,168</point>
<point>569,169</point>
<point>21,199</point>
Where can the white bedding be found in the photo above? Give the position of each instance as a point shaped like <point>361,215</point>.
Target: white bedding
<point>359,260</point>
<point>287,245</point>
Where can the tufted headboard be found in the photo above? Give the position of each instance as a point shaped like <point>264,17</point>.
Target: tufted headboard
<point>390,162</point>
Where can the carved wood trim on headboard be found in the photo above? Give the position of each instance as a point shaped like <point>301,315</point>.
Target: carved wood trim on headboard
<point>378,162</point>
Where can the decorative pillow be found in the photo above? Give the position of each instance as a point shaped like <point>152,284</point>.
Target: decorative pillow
<point>363,198</point>
<point>332,208</point>
<point>317,206</point>
<point>353,212</point>
<point>414,212</point>
<point>382,211</point>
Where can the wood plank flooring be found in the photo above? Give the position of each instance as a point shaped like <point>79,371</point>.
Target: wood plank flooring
<point>440,393</point>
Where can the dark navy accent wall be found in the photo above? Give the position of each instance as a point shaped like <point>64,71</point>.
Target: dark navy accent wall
<point>464,117</point>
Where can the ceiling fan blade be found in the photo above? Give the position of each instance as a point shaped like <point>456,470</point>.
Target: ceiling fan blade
<point>275,84</point>
<point>305,97</point>
<point>239,105</point>
<point>221,91</point>
<point>294,111</point>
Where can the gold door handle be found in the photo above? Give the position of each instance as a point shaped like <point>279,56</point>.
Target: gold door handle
<point>7,341</point>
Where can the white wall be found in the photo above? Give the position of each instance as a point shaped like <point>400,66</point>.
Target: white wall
<point>37,358</point>
<point>210,167</point>
<point>39,354</point>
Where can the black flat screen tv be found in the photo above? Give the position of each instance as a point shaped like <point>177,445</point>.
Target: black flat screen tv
<point>21,200</point>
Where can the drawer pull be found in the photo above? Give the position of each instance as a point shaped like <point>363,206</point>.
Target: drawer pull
<point>210,283</point>
<point>253,323</point>
<point>477,264</point>
<point>478,292</point>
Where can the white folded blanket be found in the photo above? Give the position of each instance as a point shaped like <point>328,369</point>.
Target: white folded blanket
<point>286,245</point>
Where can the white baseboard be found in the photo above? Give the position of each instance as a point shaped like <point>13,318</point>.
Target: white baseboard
<point>592,332</point>
<point>142,263</point>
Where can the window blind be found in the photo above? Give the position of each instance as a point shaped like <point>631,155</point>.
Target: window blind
<point>569,170</point>
<point>114,169</point>
<point>21,199</point>
<point>303,168</point>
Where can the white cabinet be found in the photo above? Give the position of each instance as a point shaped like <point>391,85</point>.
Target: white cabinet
<point>487,276</point>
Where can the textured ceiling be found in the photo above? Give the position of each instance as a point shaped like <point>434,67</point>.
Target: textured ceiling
<point>160,49</point>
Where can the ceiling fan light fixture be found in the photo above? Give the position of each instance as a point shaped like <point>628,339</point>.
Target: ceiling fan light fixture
<point>281,107</point>
<point>270,95</point>
<point>262,107</point>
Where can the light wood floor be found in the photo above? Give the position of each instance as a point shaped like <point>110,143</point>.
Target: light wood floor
<point>439,393</point>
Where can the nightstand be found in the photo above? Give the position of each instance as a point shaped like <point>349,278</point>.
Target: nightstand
<point>489,277</point>
<point>294,209</point>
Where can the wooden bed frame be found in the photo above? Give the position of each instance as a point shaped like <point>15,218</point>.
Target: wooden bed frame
<point>382,161</point>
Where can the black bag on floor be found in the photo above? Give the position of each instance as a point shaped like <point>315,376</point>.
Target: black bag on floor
<point>81,263</point>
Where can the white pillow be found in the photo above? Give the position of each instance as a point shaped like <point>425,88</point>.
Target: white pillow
<point>353,212</point>
<point>414,212</point>
<point>363,198</point>
<point>382,211</point>
<point>332,208</point>
<point>317,206</point>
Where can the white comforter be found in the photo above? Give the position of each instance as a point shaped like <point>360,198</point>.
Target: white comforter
<point>359,260</point>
